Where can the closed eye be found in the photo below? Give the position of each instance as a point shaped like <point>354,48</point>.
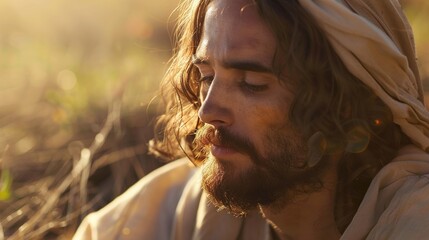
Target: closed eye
<point>253,87</point>
<point>206,78</point>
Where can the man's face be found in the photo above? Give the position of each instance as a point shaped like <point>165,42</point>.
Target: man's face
<point>252,145</point>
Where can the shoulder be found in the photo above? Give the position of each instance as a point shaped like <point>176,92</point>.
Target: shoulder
<point>171,177</point>
<point>396,205</point>
<point>407,215</point>
<point>150,201</point>
<point>406,186</point>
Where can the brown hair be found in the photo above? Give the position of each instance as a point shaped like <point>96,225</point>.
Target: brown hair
<point>329,99</point>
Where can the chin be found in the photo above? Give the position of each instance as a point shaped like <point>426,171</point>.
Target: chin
<point>234,187</point>
<point>241,188</point>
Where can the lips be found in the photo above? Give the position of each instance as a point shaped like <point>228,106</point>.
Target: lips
<point>221,152</point>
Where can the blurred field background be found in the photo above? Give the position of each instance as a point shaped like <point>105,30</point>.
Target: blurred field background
<point>76,82</point>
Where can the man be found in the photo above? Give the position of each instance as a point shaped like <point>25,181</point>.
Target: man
<point>305,118</point>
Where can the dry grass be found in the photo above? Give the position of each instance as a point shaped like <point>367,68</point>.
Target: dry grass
<point>52,189</point>
<point>76,78</point>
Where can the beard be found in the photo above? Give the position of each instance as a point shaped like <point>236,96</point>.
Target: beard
<point>272,179</point>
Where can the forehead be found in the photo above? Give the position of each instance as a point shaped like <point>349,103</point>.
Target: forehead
<point>234,28</point>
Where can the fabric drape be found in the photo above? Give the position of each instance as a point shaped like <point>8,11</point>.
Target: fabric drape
<point>375,42</point>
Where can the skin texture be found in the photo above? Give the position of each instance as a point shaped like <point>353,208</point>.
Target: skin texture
<point>247,102</point>
<point>241,96</point>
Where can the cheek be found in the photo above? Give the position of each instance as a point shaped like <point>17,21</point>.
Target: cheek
<point>263,122</point>
<point>272,109</point>
<point>270,114</point>
<point>266,118</point>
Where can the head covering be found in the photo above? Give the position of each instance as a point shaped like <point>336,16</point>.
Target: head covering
<point>375,41</point>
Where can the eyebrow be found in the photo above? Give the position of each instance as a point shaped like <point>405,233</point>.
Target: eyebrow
<point>252,66</point>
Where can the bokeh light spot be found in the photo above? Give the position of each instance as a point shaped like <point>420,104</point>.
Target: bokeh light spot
<point>378,122</point>
<point>66,80</point>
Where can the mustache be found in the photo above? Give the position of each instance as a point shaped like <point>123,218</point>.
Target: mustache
<point>207,135</point>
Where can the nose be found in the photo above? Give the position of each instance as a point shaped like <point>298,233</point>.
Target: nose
<point>216,108</point>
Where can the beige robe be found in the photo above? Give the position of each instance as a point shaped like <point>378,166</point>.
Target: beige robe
<point>169,204</point>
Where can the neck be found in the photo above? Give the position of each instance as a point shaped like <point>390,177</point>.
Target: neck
<point>308,216</point>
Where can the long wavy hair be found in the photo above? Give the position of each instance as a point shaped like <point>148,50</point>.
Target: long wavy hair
<point>329,99</point>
